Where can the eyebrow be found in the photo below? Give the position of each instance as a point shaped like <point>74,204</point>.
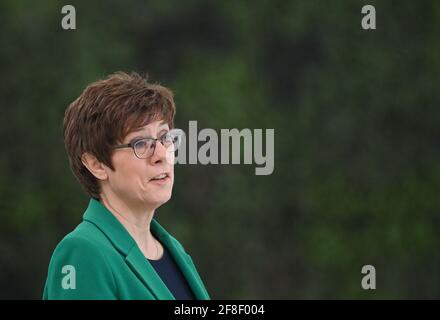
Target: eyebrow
<point>142,137</point>
<point>163,123</point>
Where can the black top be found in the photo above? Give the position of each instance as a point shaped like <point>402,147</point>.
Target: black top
<point>171,275</point>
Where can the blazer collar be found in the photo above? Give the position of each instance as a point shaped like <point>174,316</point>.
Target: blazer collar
<point>104,220</point>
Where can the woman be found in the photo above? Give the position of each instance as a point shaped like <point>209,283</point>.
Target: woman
<point>120,143</point>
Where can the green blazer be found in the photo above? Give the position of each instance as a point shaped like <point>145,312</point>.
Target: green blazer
<point>100,260</point>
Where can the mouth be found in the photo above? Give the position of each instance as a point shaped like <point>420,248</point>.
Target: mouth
<point>160,178</point>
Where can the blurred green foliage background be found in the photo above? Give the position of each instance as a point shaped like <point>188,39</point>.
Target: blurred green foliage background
<point>356,118</point>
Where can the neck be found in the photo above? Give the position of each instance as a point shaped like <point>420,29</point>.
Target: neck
<point>136,220</point>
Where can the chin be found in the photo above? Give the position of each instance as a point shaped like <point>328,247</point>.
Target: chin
<point>160,200</point>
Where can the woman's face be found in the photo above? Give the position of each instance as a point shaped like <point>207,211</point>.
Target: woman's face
<point>133,179</point>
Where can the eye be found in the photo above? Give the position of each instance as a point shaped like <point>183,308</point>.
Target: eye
<point>141,146</point>
<point>174,138</point>
<point>166,138</point>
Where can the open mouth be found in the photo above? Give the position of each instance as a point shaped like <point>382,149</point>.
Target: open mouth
<point>160,177</point>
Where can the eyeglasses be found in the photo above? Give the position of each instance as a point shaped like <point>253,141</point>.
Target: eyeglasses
<point>145,147</point>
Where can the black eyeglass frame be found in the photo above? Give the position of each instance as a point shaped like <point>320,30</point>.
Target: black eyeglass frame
<point>176,132</point>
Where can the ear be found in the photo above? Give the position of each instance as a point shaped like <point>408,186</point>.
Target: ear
<point>95,167</point>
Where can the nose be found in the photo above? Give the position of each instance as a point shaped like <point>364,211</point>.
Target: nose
<point>160,153</point>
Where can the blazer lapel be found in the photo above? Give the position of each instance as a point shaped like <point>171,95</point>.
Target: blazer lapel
<point>143,269</point>
<point>180,257</point>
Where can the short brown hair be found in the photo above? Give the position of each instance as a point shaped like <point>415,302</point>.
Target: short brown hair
<point>105,112</point>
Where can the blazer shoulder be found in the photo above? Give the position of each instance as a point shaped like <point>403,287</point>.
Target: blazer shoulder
<point>88,231</point>
<point>78,242</point>
<point>86,260</point>
<point>85,245</point>
<point>78,247</point>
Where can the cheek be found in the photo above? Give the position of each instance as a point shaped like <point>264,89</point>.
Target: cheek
<point>129,170</point>
<point>170,158</point>
<point>142,185</point>
<point>128,173</point>
<point>131,178</point>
